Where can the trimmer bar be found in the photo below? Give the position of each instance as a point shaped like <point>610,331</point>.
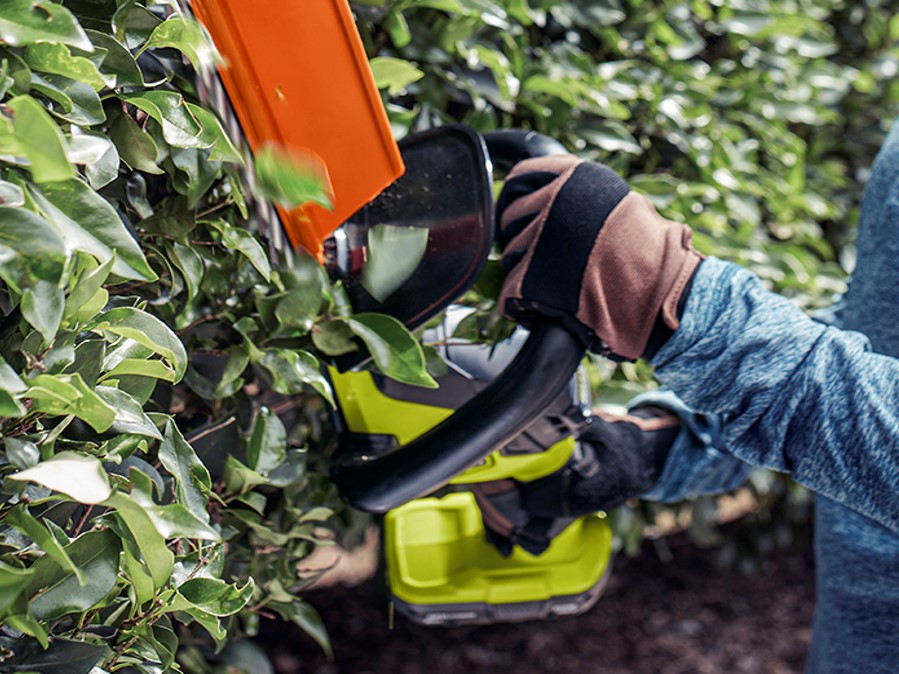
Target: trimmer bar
<point>508,411</point>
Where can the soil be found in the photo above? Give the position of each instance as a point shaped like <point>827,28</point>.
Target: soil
<point>679,617</point>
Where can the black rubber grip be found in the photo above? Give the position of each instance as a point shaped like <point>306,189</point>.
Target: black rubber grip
<point>510,146</point>
<point>521,394</point>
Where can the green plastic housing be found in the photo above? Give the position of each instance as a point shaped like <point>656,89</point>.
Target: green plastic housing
<point>440,566</point>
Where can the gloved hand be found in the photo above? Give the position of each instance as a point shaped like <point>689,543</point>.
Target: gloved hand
<point>616,458</point>
<point>581,248</point>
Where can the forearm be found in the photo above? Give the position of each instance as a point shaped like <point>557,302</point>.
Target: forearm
<point>793,395</point>
<point>698,462</point>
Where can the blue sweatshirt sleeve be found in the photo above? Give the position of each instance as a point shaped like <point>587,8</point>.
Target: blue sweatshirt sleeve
<point>792,394</point>
<point>697,463</point>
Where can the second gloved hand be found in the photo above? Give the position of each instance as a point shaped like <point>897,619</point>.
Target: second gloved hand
<point>581,248</point>
<point>616,458</point>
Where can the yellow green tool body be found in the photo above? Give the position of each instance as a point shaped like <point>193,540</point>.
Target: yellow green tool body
<point>441,569</point>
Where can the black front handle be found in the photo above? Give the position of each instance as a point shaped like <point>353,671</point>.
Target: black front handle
<point>521,394</point>
<point>510,146</point>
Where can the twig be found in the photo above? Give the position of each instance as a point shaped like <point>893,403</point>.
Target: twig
<point>82,521</point>
<point>212,429</point>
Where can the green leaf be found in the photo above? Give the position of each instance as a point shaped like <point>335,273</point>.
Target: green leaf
<point>196,172</point>
<point>11,386</point>
<point>292,369</point>
<point>30,249</point>
<point>395,351</point>
<point>11,194</point>
<point>139,367</point>
<point>76,102</point>
<point>96,553</point>
<point>86,222</point>
<point>21,452</point>
<point>9,380</point>
<point>333,338</point>
<point>394,74</point>
<point>174,217</point>
<point>187,36</point>
<point>192,481</point>
<point>68,394</point>
<point>223,148</point>
<point>79,477</point>
<point>157,558</point>
<point>176,521</point>
<point>612,136</point>
<point>132,23</point>
<point>118,60</point>
<point>394,254</point>
<point>42,307</point>
<point>267,445</point>
<point>246,244</point>
<point>147,331</point>
<point>168,108</point>
<point>239,478</point>
<point>102,168</point>
<point>136,148</point>
<point>292,179</point>
<point>23,22</point>
<point>130,417</point>
<point>40,140</point>
<point>190,264</point>
<point>24,521</point>
<point>55,58</point>
<point>91,278</point>
<point>214,596</point>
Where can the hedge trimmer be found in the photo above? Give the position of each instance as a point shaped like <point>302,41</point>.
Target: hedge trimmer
<point>297,76</point>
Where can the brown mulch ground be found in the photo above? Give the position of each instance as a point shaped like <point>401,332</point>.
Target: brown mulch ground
<point>655,618</point>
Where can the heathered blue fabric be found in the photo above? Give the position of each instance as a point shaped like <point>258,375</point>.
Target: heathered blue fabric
<point>825,396</point>
<point>792,394</point>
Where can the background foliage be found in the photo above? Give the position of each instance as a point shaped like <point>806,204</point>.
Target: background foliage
<point>159,381</point>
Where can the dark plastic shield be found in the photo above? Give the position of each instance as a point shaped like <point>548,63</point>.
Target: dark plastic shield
<point>446,193</point>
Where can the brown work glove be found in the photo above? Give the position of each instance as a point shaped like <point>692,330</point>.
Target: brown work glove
<point>581,248</point>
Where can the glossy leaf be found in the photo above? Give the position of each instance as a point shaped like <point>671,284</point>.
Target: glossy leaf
<point>24,22</point>
<point>86,222</point>
<point>192,480</point>
<point>246,244</point>
<point>78,476</point>
<point>187,36</point>
<point>267,445</point>
<point>69,394</point>
<point>155,556</point>
<point>223,148</point>
<point>146,330</point>
<point>55,58</point>
<point>42,307</point>
<point>393,348</point>
<point>31,249</point>
<point>20,518</point>
<point>76,102</point>
<point>136,148</point>
<point>393,255</point>
<point>40,141</point>
<point>215,597</point>
<point>168,108</point>
<point>97,555</point>
<point>291,370</point>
